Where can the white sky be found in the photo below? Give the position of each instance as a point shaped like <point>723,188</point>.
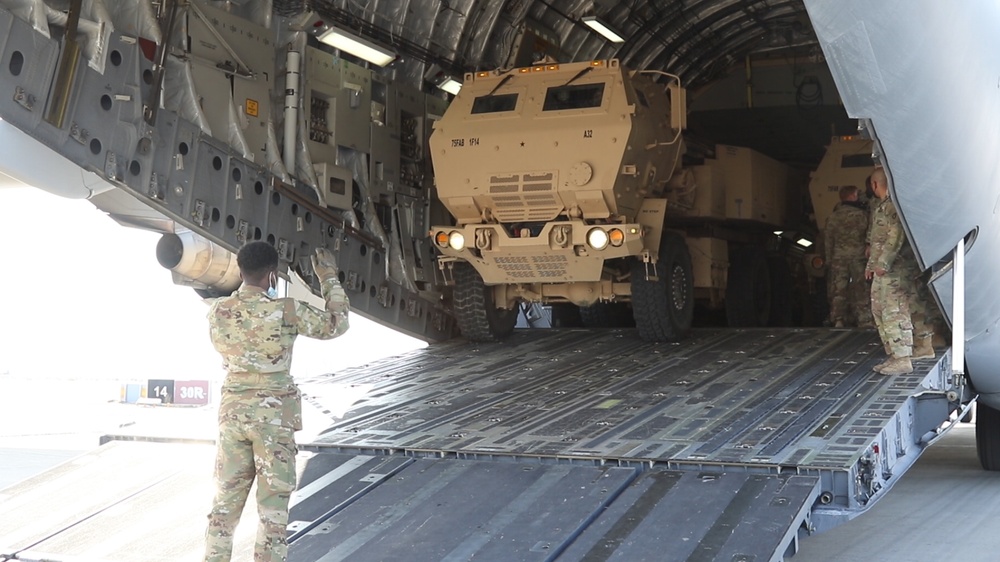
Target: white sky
<point>85,297</point>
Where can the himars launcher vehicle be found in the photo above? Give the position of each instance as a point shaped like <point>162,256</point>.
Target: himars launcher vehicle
<point>566,185</point>
<point>556,176</point>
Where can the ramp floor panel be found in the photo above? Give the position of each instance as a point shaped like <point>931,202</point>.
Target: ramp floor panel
<point>691,516</point>
<point>803,397</point>
<point>450,509</point>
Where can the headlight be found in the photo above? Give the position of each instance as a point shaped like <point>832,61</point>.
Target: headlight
<point>456,240</point>
<point>597,238</point>
<point>617,237</point>
<point>441,238</point>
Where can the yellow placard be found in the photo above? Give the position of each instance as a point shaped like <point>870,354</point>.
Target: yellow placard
<point>252,107</point>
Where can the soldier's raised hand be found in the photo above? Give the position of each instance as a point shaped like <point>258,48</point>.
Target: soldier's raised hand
<point>324,264</point>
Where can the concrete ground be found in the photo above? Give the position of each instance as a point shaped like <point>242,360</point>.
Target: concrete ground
<point>944,508</point>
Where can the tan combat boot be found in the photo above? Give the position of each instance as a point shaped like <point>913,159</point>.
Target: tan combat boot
<point>888,352</point>
<point>922,348</point>
<point>897,366</point>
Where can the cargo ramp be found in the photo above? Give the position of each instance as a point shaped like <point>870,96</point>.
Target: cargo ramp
<point>579,445</point>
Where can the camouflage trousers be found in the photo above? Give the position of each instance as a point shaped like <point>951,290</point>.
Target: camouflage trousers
<point>891,295</point>
<point>246,450</point>
<point>850,295</point>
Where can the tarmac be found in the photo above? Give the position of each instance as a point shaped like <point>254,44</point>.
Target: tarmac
<point>944,508</point>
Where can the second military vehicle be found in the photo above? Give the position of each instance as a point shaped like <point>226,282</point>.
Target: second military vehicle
<point>847,161</point>
<point>566,185</point>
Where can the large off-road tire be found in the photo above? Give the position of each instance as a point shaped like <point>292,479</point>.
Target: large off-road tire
<point>663,308</point>
<point>782,292</point>
<point>476,313</point>
<point>748,288</point>
<point>606,315</point>
<point>988,436</point>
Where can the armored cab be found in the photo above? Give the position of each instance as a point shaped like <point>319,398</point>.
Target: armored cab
<point>555,176</point>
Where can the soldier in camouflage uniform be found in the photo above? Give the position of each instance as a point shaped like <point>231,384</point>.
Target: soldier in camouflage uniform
<point>845,238</point>
<point>261,406</point>
<point>893,268</point>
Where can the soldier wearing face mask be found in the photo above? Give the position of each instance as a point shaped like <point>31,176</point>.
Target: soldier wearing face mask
<point>261,406</point>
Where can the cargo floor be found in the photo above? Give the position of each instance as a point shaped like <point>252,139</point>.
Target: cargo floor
<point>778,398</point>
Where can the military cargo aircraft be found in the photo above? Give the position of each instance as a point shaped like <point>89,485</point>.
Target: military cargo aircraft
<point>309,124</point>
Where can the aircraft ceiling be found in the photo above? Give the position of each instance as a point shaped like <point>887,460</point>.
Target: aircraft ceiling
<point>696,39</point>
<point>699,40</point>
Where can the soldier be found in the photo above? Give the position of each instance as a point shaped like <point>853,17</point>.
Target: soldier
<point>845,238</point>
<point>261,406</point>
<point>893,268</point>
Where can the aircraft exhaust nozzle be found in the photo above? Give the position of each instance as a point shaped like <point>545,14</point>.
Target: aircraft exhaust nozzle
<point>199,260</point>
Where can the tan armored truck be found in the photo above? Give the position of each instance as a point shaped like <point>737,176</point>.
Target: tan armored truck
<point>562,180</point>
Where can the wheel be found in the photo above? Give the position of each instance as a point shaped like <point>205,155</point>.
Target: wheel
<point>663,307</point>
<point>782,292</point>
<point>606,315</point>
<point>988,436</point>
<point>477,316</point>
<point>748,288</point>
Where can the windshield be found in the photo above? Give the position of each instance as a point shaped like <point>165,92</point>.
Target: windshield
<point>494,103</point>
<point>574,97</point>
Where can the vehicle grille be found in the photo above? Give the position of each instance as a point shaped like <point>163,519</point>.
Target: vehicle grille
<point>524,197</point>
<point>532,267</point>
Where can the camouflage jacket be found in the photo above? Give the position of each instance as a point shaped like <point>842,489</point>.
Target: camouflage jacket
<point>255,334</point>
<point>890,249</point>
<point>846,232</point>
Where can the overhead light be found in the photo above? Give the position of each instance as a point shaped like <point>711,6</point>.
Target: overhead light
<point>440,78</point>
<point>778,232</point>
<point>604,29</point>
<point>451,86</point>
<point>357,46</point>
<point>804,242</point>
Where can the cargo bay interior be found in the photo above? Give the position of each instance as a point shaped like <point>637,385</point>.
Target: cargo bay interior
<point>196,120</point>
